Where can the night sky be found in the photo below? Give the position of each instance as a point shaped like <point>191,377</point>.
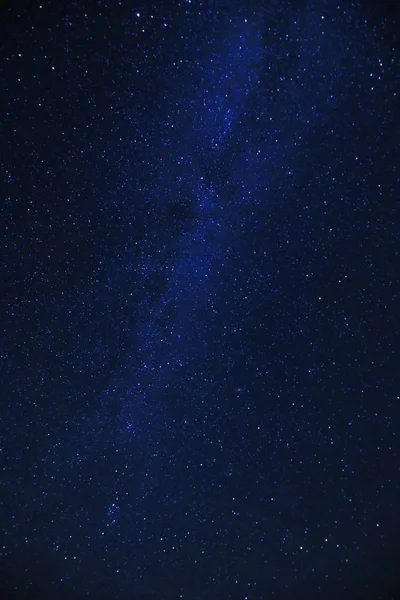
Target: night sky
<point>200,234</point>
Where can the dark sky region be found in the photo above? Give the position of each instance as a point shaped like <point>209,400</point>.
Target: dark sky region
<point>200,226</point>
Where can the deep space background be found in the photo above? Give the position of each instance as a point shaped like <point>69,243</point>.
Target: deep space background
<point>200,232</point>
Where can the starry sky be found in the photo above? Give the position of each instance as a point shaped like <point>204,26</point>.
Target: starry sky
<point>200,300</point>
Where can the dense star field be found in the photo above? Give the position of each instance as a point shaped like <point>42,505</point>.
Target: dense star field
<point>199,300</point>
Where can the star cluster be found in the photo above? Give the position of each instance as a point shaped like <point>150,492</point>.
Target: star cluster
<point>199,308</point>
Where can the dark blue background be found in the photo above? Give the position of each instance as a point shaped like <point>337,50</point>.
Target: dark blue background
<point>199,300</point>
